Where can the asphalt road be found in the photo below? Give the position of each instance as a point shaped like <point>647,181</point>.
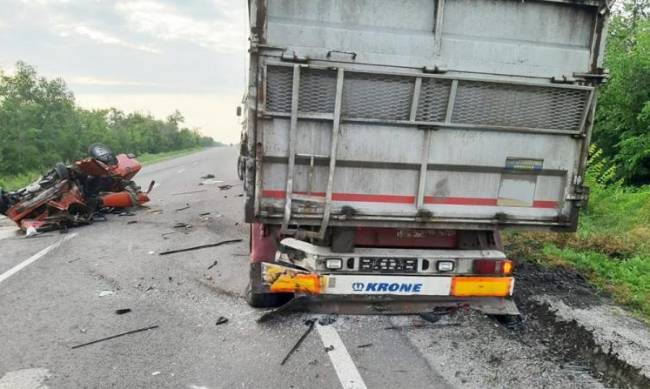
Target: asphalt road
<point>58,300</point>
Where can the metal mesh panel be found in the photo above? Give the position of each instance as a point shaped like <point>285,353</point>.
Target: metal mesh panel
<point>434,95</point>
<point>279,80</point>
<point>317,90</point>
<point>490,104</point>
<point>377,96</point>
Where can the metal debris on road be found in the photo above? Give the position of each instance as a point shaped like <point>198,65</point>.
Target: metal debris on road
<point>204,246</point>
<point>122,311</point>
<point>187,206</point>
<point>366,345</point>
<point>213,264</point>
<point>221,320</point>
<point>190,192</point>
<point>207,176</point>
<point>115,336</point>
<point>182,225</point>
<point>225,187</point>
<point>311,323</point>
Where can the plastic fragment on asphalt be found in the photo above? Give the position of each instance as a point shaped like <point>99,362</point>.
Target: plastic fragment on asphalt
<point>204,246</point>
<point>115,336</point>
<point>310,323</point>
<point>122,311</point>
<point>221,320</point>
<point>155,373</point>
<point>105,293</point>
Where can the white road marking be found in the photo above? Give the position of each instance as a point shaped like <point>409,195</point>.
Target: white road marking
<point>33,258</point>
<point>25,379</point>
<point>345,368</point>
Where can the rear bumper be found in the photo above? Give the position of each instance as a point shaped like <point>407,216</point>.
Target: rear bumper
<point>277,278</point>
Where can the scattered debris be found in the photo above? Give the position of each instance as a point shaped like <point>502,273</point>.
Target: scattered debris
<point>366,345</point>
<point>204,214</point>
<point>131,222</point>
<point>205,246</point>
<point>187,206</point>
<point>115,336</point>
<point>240,195</point>
<point>329,348</point>
<point>182,225</point>
<point>207,176</point>
<point>74,260</point>
<point>224,187</point>
<point>151,252</point>
<point>155,210</point>
<point>430,317</point>
<point>221,320</point>
<point>126,213</point>
<point>191,192</point>
<point>327,320</point>
<point>310,323</point>
<point>213,264</point>
<point>31,231</point>
<point>155,373</point>
<point>69,196</point>
<point>105,293</point>
<point>122,311</point>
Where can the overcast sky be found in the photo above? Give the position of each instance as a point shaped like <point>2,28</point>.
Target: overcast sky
<point>151,56</point>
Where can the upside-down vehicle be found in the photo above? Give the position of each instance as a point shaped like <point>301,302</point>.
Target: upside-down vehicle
<point>72,195</point>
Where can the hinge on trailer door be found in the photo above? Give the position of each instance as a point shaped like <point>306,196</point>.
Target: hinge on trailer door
<point>578,194</point>
<point>293,57</point>
<point>563,79</point>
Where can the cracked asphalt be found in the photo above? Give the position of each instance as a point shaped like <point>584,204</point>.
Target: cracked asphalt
<point>56,302</point>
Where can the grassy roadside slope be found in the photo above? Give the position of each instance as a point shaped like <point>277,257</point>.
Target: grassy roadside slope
<point>19,181</point>
<point>611,248</point>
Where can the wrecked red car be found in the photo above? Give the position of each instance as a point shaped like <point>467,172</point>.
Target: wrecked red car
<point>73,195</point>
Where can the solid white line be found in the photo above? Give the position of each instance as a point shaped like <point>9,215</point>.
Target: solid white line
<point>345,368</point>
<point>33,258</point>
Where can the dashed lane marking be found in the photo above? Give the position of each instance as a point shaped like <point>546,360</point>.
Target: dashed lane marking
<point>345,368</point>
<point>33,258</point>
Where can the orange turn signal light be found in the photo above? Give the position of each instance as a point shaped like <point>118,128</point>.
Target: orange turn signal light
<point>481,286</point>
<point>297,283</point>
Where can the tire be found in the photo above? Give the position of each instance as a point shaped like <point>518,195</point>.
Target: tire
<point>266,300</point>
<point>256,299</point>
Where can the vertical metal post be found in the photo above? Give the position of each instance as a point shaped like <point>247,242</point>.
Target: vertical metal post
<point>333,150</point>
<point>311,175</point>
<point>426,147</point>
<point>451,101</point>
<point>293,127</point>
<point>437,27</point>
<point>415,100</point>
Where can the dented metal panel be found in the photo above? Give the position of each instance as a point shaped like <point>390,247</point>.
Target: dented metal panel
<point>451,114</point>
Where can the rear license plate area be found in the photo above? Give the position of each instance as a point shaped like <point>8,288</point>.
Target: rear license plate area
<point>388,265</point>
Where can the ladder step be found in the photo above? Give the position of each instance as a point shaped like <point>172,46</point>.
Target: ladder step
<point>308,198</point>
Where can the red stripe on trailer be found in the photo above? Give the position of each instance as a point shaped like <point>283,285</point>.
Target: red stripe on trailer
<point>405,199</point>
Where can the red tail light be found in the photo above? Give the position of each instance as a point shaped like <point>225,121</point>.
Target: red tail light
<point>489,266</point>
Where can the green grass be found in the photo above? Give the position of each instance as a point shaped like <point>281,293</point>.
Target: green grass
<point>9,183</point>
<point>611,247</point>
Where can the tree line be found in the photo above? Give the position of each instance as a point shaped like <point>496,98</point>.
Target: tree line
<point>622,125</point>
<point>40,124</point>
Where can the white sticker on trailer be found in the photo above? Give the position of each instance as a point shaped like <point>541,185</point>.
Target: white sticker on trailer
<point>394,285</point>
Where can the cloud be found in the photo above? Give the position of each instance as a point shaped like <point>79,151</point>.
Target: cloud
<point>168,23</point>
<point>86,80</point>
<point>93,34</point>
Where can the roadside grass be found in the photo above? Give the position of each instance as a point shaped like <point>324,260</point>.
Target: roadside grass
<point>9,183</point>
<point>611,247</point>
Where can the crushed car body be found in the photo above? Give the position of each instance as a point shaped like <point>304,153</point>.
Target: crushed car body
<point>69,196</point>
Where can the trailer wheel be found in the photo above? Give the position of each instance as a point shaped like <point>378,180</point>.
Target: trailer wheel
<point>266,300</point>
<point>258,299</point>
